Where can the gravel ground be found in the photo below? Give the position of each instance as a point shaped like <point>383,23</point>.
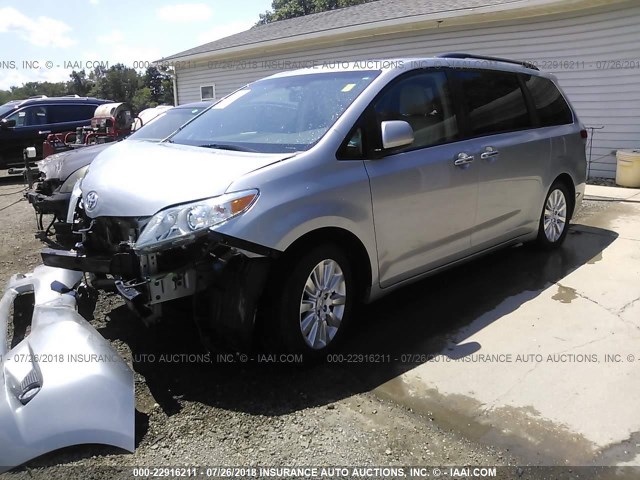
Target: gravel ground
<point>606,182</point>
<point>209,413</point>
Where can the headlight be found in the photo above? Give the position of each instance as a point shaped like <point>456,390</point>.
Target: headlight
<point>183,223</point>
<point>68,184</point>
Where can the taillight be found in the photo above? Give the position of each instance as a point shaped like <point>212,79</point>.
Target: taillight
<point>583,133</point>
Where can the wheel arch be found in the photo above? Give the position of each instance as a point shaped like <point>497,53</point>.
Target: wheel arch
<point>352,246</point>
<point>567,181</point>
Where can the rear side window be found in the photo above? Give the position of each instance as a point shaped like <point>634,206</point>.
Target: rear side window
<point>493,101</point>
<point>551,106</point>
<point>70,113</point>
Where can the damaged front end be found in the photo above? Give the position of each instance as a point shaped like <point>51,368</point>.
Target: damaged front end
<point>62,383</point>
<point>222,276</point>
<point>53,192</point>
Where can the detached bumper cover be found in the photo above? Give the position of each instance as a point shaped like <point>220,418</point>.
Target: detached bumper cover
<point>63,384</point>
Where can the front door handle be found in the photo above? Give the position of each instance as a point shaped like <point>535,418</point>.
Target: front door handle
<point>489,154</point>
<point>44,132</point>
<point>463,159</point>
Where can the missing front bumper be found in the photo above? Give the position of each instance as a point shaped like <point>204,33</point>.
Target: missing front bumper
<point>225,276</point>
<point>63,384</point>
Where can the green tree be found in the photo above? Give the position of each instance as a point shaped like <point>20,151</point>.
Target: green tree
<point>79,84</point>
<point>159,81</point>
<point>153,82</point>
<point>98,73</point>
<point>167,91</point>
<point>31,89</point>
<point>283,9</point>
<point>143,99</point>
<point>119,83</point>
<point>5,96</point>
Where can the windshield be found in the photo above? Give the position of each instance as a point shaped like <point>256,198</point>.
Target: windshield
<point>7,107</point>
<point>166,123</point>
<point>277,115</point>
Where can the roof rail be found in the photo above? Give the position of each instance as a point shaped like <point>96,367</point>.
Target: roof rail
<point>38,96</point>
<point>491,59</point>
<point>75,95</point>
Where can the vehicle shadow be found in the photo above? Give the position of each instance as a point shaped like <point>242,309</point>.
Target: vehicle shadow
<point>422,318</point>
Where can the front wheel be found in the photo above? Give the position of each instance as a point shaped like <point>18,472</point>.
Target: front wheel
<point>554,220</point>
<point>314,302</point>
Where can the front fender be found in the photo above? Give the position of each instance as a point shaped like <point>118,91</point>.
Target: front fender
<point>303,194</point>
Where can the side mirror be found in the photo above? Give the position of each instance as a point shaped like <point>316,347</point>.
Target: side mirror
<point>30,152</point>
<point>6,124</point>
<point>396,133</point>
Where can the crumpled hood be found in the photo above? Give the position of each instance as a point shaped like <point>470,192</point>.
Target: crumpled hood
<point>136,179</point>
<point>62,165</point>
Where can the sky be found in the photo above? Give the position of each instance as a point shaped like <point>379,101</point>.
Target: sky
<point>45,41</point>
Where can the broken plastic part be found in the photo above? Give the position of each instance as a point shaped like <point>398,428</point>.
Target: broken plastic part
<point>63,384</point>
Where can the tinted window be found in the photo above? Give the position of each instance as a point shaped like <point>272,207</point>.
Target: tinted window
<point>70,113</point>
<point>550,104</point>
<point>494,102</point>
<point>425,103</point>
<point>29,116</point>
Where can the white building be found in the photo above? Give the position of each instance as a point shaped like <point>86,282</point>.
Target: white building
<point>593,46</point>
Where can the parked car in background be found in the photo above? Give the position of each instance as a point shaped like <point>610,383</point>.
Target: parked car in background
<point>27,123</point>
<point>60,172</point>
<point>148,114</point>
<point>303,193</point>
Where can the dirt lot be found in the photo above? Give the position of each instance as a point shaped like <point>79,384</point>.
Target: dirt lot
<point>210,413</point>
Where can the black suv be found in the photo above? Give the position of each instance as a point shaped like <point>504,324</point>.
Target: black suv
<point>26,123</point>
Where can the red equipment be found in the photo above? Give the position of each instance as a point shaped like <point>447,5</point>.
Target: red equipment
<point>110,122</point>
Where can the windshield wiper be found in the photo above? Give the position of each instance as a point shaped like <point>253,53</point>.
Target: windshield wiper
<point>226,146</point>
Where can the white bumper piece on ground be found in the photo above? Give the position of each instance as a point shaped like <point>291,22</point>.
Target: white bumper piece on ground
<point>63,384</point>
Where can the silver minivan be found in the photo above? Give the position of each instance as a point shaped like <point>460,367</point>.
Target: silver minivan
<point>301,194</point>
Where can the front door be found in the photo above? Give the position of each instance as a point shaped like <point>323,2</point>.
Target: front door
<point>31,129</point>
<point>425,194</point>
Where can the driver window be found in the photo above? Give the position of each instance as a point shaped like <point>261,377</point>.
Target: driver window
<point>19,117</point>
<point>29,116</point>
<point>424,101</point>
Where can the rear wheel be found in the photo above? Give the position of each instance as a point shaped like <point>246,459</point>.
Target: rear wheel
<point>554,220</point>
<point>314,302</point>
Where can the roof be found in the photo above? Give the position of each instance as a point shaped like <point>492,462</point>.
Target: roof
<point>366,13</point>
<point>66,99</point>
<point>451,60</point>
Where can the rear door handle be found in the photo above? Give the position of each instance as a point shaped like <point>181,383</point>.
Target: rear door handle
<point>489,153</point>
<point>463,159</point>
<point>44,132</point>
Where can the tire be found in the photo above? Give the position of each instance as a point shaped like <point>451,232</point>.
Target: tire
<point>555,217</point>
<point>300,322</point>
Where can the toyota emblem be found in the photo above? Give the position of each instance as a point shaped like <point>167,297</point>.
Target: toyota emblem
<point>91,201</point>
